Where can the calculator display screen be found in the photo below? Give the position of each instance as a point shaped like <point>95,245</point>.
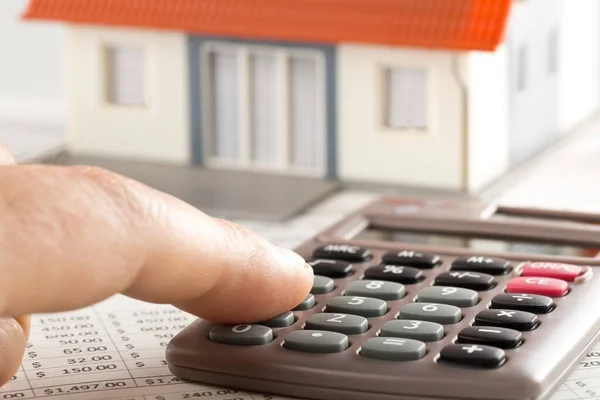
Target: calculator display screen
<point>476,243</point>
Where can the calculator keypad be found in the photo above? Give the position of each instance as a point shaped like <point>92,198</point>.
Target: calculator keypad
<point>331,268</point>
<point>511,319</point>
<point>393,349</point>
<point>322,285</point>
<point>439,313</point>
<point>357,305</point>
<point>412,259</point>
<point>466,280</point>
<point>401,304</point>
<point>502,338</point>
<point>543,286</point>
<point>376,289</point>
<point>424,331</point>
<point>533,303</point>
<point>458,297</point>
<point>487,265</point>
<point>343,323</point>
<point>307,303</point>
<point>343,252</point>
<point>473,355</point>
<point>395,273</point>
<point>315,341</point>
<point>242,335</point>
<point>281,321</point>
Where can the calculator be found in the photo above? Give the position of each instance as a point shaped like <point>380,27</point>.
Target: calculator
<point>420,299</point>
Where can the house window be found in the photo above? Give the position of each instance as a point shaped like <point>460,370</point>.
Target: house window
<point>406,102</point>
<point>522,69</point>
<point>126,76</point>
<point>553,51</point>
<point>263,108</point>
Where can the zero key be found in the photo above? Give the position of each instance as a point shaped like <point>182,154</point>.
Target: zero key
<point>241,335</point>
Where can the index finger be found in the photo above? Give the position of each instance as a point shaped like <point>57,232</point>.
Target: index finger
<point>72,236</point>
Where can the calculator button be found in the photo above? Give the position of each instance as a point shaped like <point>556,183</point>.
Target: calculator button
<point>322,285</point>
<point>343,252</point>
<point>331,268</point>
<point>511,319</point>
<point>280,321</point>
<point>311,341</point>
<point>395,273</point>
<point>307,303</point>
<point>533,303</point>
<point>241,335</point>
<point>423,331</point>
<point>502,338</point>
<point>543,286</point>
<point>458,297</point>
<point>473,355</point>
<point>393,349</point>
<point>356,305</point>
<point>565,272</point>
<point>440,313</point>
<point>487,265</point>
<point>342,323</point>
<point>411,259</point>
<point>376,289</point>
<point>466,279</point>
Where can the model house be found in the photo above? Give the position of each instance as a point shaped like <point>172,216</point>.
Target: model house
<point>446,94</point>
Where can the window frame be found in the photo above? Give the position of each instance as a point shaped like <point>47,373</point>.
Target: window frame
<point>109,74</point>
<point>387,99</point>
<point>282,54</point>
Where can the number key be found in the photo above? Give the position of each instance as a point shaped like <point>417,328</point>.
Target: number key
<point>423,331</point>
<point>458,297</point>
<point>376,289</point>
<point>439,313</point>
<point>362,306</point>
<point>342,323</point>
<point>241,335</point>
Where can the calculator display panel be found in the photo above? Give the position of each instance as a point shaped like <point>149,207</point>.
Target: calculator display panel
<point>476,243</point>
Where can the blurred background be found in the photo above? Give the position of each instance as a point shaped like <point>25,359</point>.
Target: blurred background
<point>34,119</point>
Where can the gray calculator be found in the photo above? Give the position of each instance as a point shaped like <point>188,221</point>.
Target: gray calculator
<point>420,299</point>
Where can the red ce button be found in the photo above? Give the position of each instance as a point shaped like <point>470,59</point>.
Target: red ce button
<point>543,286</point>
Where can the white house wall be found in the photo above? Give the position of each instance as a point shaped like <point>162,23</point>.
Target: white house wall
<point>370,152</point>
<point>158,131</point>
<point>488,139</point>
<point>579,66</point>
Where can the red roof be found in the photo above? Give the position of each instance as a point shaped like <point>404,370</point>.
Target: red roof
<point>438,24</point>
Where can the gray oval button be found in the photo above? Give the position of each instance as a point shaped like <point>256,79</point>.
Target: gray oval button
<point>458,297</point>
<point>393,349</point>
<point>342,323</point>
<point>241,335</point>
<point>310,341</point>
<point>439,313</point>
<point>423,331</point>
<point>357,305</point>
<point>376,289</point>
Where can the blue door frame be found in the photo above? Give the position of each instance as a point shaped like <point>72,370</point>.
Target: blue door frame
<point>196,85</point>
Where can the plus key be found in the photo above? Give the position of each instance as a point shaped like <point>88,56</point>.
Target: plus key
<point>542,286</point>
<point>473,355</point>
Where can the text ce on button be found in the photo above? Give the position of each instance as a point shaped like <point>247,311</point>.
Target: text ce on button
<point>543,286</point>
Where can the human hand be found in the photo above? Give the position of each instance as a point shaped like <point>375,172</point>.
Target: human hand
<point>72,236</point>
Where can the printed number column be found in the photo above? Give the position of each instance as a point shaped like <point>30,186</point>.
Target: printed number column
<point>71,353</point>
<point>18,387</point>
<point>141,336</point>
